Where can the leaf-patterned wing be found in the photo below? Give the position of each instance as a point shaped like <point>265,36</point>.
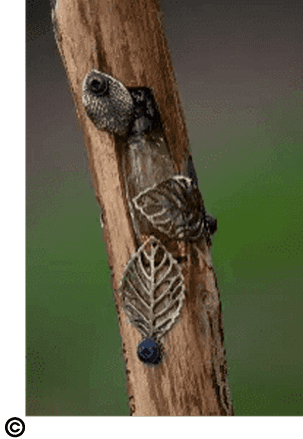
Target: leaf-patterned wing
<point>152,289</point>
<point>175,207</point>
<point>107,102</point>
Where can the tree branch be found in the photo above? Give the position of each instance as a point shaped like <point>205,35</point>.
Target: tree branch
<point>125,39</point>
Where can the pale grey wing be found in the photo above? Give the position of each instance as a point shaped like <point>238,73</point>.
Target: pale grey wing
<point>174,207</point>
<point>107,102</point>
<point>152,289</point>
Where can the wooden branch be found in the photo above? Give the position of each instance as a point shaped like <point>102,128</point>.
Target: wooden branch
<point>125,39</point>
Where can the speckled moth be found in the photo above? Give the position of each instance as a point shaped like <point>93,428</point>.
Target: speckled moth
<point>158,199</point>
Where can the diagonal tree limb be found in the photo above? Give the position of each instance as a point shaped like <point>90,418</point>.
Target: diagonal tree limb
<point>125,39</point>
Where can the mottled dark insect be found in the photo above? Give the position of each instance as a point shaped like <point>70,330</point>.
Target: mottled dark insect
<point>171,203</point>
<point>152,287</point>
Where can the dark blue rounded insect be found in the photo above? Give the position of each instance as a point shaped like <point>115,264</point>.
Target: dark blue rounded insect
<point>149,351</point>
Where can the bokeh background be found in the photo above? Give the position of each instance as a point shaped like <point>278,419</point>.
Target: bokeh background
<point>239,71</point>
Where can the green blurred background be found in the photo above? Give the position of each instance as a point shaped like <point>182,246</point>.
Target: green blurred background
<point>243,103</point>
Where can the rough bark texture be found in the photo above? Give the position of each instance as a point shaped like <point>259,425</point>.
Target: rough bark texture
<point>125,39</point>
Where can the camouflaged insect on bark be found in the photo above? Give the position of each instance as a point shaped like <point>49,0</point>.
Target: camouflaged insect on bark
<point>159,200</point>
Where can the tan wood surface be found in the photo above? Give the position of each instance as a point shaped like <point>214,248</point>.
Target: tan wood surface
<point>125,39</point>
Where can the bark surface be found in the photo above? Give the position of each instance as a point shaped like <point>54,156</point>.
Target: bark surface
<point>125,39</point>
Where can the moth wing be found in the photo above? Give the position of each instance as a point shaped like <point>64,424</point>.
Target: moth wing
<point>152,289</point>
<point>108,103</point>
<point>174,207</point>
